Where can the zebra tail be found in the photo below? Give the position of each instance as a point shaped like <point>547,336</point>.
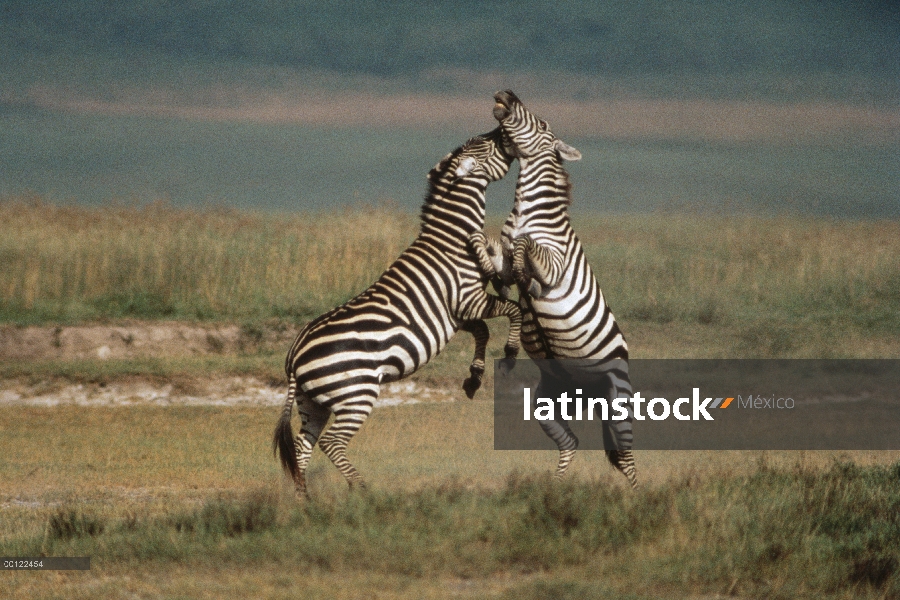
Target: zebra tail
<point>283,439</point>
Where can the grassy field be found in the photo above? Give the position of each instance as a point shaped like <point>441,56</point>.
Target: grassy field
<point>681,285</point>
<point>68,264</point>
<point>183,502</point>
<point>189,502</point>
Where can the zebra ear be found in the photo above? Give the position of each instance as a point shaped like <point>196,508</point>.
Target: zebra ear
<point>567,152</point>
<point>466,166</point>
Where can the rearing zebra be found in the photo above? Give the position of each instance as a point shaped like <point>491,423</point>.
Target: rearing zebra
<point>564,314</point>
<point>339,360</point>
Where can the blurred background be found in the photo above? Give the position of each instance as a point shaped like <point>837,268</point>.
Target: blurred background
<point>765,107</point>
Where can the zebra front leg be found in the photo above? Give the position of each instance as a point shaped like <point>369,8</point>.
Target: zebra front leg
<point>347,422</point>
<point>535,267</point>
<point>480,332</point>
<point>478,244</point>
<point>499,307</point>
<point>519,263</point>
<point>489,254</point>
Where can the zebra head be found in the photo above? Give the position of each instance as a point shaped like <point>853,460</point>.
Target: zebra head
<point>488,155</point>
<point>458,183</point>
<point>530,136</point>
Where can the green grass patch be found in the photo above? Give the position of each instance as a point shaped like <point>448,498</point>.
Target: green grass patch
<point>772,532</point>
<point>189,501</point>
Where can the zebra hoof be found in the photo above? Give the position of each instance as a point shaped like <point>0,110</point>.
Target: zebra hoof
<point>535,290</point>
<point>470,386</point>
<point>507,365</point>
<point>502,290</point>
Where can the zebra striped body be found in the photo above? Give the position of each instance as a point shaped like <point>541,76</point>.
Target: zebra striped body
<point>339,360</point>
<point>564,313</point>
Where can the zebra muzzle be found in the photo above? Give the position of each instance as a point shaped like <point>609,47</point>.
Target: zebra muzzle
<point>503,103</point>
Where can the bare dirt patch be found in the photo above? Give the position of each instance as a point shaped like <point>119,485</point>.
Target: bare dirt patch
<point>213,391</point>
<point>141,340</point>
<point>135,340</point>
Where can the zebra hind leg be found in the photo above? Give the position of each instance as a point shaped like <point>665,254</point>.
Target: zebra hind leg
<point>567,443</point>
<point>479,331</point>
<point>623,460</point>
<point>618,437</point>
<point>565,458</point>
<point>314,417</point>
<point>347,422</point>
<point>558,430</point>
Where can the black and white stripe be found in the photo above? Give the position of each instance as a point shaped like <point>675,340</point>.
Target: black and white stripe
<point>565,315</point>
<point>339,360</point>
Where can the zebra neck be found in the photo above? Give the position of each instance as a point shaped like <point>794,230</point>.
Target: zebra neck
<point>543,182</point>
<point>454,211</point>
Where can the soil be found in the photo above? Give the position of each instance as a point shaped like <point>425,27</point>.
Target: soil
<point>134,340</point>
<point>137,340</point>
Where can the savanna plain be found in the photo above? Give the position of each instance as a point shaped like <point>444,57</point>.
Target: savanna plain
<point>187,501</point>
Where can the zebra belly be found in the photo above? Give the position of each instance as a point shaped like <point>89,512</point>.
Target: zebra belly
<point>531,338</point>
<point>334,362</point>
<point>570,327</point>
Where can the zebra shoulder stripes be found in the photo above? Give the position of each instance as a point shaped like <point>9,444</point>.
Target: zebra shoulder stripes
<point>565,315</point>
<point>339,360</point>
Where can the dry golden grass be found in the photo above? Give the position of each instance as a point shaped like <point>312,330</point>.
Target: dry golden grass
<point>158,261</point>
<point>143,456</point>
<point>724,286</point>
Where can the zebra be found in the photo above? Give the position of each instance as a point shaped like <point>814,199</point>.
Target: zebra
<point>340,359</point>
<point>564,313</point>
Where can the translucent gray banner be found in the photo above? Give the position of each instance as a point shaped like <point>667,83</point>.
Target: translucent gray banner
<point>705,404</point>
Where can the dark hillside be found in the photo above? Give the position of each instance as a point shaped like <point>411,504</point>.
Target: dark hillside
<point>612,38</point>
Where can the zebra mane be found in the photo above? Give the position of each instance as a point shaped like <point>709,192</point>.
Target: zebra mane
<point>442,173</point>
<point>560,172</point>
<point>567,188</point>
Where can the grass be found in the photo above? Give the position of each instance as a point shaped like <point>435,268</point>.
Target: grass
<point>188,501</point>
<point>531,525</point>
<point>771,277</point>
<point>71,264</point>
<point>182,502</point>
<point>735,287</point>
